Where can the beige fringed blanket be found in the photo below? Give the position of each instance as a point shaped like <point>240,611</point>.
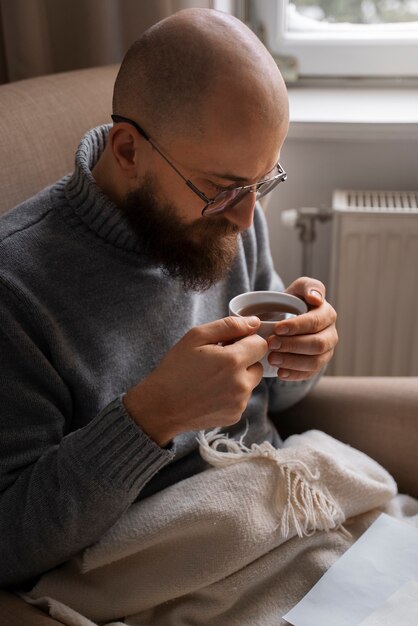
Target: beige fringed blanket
<point>237,545</point>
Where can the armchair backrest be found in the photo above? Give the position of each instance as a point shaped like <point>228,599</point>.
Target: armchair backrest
<point>41,123</point>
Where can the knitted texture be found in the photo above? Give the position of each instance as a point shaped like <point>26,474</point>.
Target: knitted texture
<point>83,317</point>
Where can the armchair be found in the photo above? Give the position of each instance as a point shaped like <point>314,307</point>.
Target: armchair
<point>41,122</point>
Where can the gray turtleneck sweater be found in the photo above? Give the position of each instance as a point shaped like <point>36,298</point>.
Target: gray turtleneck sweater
<point>83,317</point>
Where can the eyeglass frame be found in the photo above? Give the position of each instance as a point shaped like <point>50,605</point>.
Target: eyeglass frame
<point>280,177</point>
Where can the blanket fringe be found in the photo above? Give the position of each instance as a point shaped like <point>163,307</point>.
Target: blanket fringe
<point>309,505</point>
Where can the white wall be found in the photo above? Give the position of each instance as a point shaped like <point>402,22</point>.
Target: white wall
<point>315,167</point>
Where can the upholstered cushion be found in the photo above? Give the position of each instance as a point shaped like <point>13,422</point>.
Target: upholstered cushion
<point>41,122</point>
<point>377,415</point>
<point>15,612</point>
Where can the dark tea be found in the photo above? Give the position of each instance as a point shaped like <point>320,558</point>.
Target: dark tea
<point>269,311</point>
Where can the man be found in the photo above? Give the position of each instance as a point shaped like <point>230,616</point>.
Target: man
<point>114,286</point>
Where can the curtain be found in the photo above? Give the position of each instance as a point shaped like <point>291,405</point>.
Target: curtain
<point>47,36</point>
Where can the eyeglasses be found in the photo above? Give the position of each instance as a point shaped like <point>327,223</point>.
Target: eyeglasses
<point>224,199</point>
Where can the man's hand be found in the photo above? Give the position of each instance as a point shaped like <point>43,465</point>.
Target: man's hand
<point>204,381</point>
<point>303,345</point>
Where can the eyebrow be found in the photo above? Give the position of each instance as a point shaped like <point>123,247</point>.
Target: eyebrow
<point>234,178</point>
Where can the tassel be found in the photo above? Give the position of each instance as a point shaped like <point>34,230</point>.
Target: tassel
<point>309,506</point>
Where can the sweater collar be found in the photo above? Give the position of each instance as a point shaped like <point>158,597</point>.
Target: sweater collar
<point>89,202</point>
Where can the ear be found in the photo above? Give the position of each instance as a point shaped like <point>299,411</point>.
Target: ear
<point>124,144</point>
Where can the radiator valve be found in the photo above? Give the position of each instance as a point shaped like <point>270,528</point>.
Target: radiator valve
<point>304,220</point>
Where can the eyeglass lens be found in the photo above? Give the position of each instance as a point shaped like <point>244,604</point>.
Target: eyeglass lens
<point>231,197</point>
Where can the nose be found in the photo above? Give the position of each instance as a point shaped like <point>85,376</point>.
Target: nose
<point>242,213</point>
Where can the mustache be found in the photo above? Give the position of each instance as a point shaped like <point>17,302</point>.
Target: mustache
<point>224,226</point>
<point>217,225</point>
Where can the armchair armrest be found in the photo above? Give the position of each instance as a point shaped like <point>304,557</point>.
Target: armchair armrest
<point>16,612</point>
<point>378,415</point>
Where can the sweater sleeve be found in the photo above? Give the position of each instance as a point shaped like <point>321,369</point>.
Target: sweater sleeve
<point>59,490</point>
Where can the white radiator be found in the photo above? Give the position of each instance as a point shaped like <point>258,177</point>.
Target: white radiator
<point>374,282</point>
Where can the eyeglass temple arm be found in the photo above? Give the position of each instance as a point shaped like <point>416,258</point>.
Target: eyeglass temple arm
<point>141,131</point>
<point>186,180</point>
<point>119,118</point>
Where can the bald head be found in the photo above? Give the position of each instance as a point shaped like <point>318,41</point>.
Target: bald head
<point>195,65</point>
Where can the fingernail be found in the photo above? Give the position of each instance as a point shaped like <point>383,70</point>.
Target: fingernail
<point>316,294</point>
<point>253,321</point>
<point>282,330</point>
<point>275,344</point>
<point>283,374</point>
<point>276,359</point>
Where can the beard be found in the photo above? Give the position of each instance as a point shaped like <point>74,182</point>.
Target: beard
<point>199,254</point>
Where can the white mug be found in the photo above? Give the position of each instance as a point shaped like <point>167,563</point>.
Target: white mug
<point>266,329</point>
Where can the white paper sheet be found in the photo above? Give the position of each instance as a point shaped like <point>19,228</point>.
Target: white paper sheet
<point>400,608</point>
<point>381,561</point>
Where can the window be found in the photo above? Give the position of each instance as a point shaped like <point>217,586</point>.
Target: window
<point>353,38</point>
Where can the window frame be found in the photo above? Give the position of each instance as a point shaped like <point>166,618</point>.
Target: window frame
<point>355,52</point>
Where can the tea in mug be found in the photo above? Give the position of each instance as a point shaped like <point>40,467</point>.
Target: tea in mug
<point>269,311</point>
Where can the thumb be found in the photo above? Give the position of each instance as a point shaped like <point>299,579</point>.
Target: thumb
<point>309,289</point>
<point>228,329</point>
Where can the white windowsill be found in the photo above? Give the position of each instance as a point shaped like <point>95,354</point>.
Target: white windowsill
<point>354,114</point>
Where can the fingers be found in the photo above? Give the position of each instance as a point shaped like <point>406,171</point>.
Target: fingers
<point>255,374</point>
<point>299,367</point>
<point>248,350</point>
<point>233,337</point>
<point>236,336</point>
<point>224,330</point>
<point>303,345</point>
<point>309,344</point>
<point>301,357</point>
<point>312,322</point>
<point>309,289</point>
